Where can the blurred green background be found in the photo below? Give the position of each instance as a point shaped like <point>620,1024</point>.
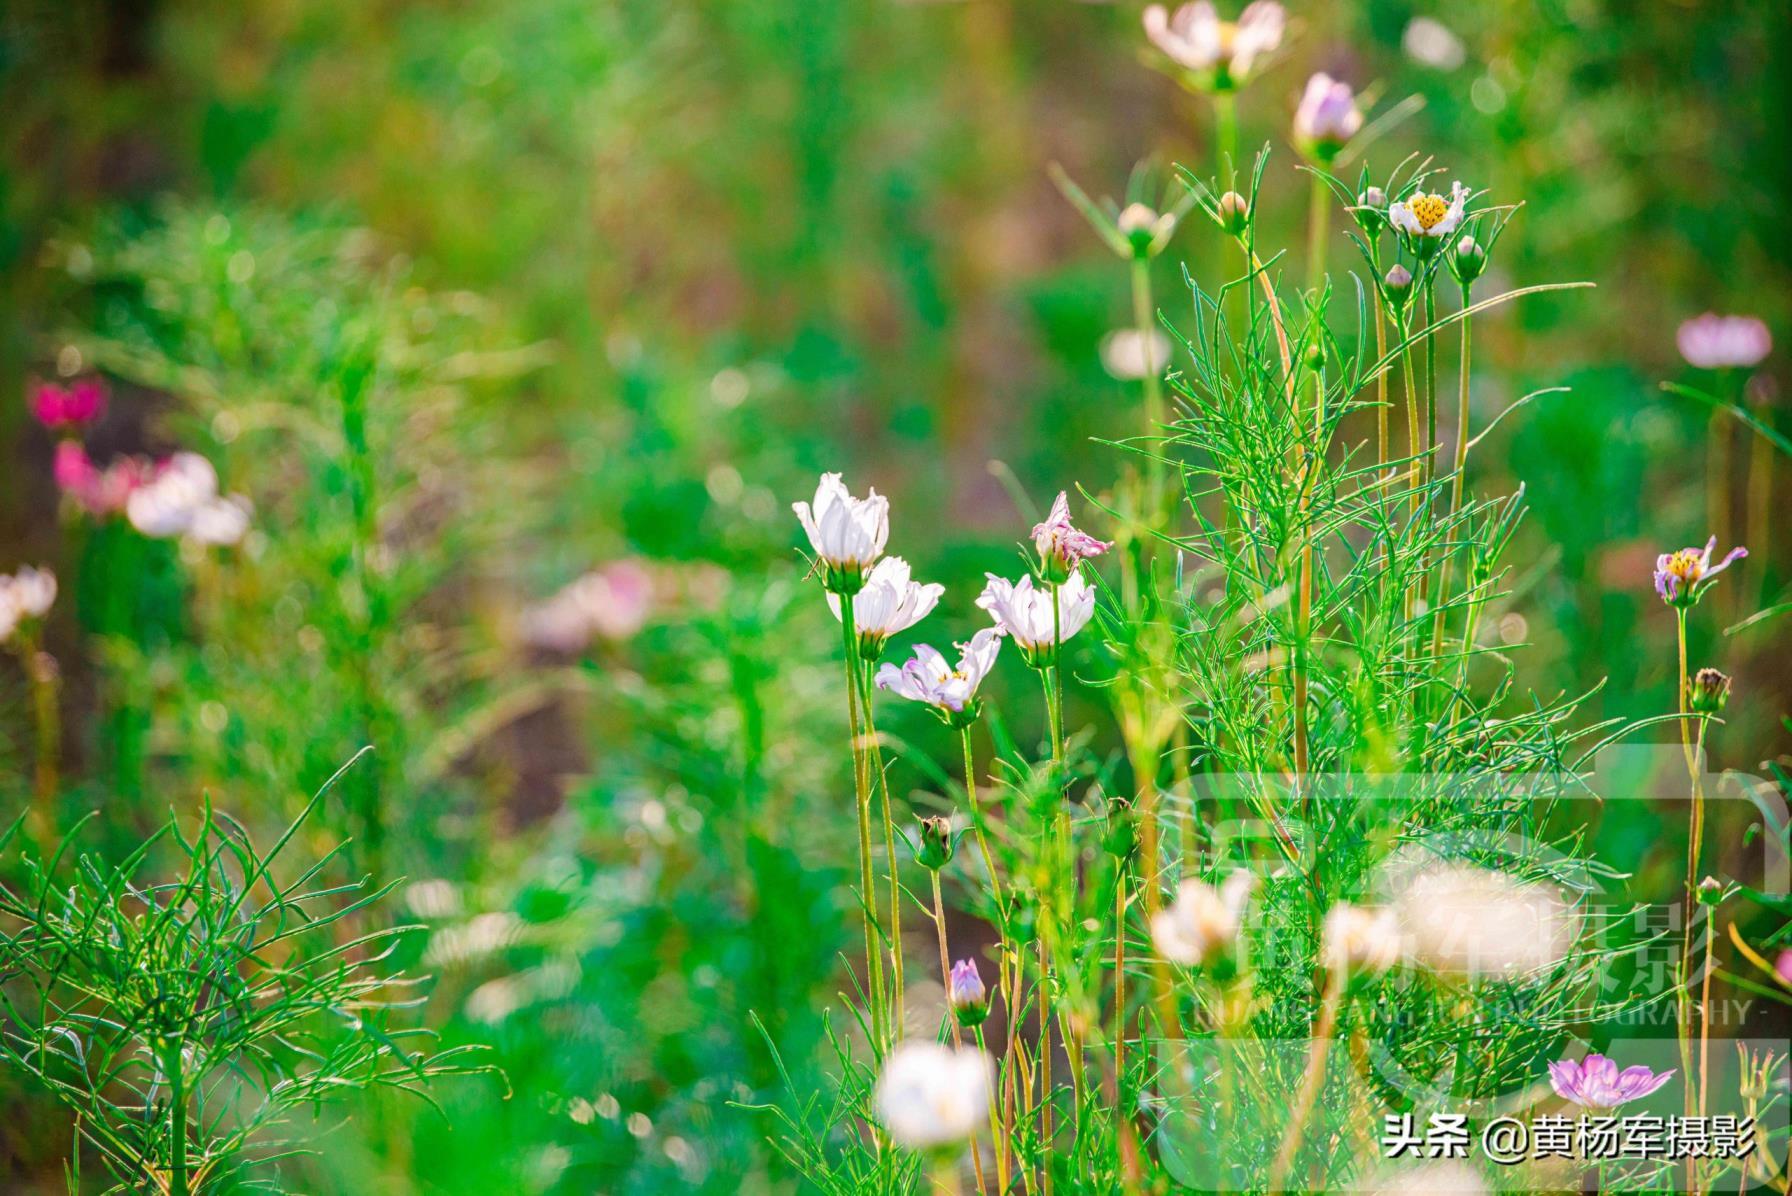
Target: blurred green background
<point>613,281</point>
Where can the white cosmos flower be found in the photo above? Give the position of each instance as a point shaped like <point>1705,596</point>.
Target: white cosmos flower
<point>32,591</point>
<point>1197,40</point>
<point>220,522</point>
<point>890,601</point>
<point>931,1095</point>
<point>929,678</point>
<point>1202,924</point>
<point>1429,219</point>
<point>164,506</point>
<point>1024,612</point>
<point>847,534</point>
<point>1462,919</point>
<point>1360,941</point>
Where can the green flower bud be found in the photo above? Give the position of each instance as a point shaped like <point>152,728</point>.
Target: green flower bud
<point>1708,691</point>
<point>1467,260</point>
<point>1234,213</point>
<point>1711,891</point>
<point>934,850</point>
<point>1396,287</point>
<point>1121,838</point>
<point>1371,211</point>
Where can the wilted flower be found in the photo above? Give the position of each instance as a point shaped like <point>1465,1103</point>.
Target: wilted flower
<point>846,533</point>
<point>81,402</point>
<point>1201,926</point>
<point>890,601</point>
<point>1681,578</point>
<point>1146,231</point>
<point>1060,545</point>
<point>1714,342</point>
<point>1596,1082</point>
<point>1128,354</point>
<point>1432,44</point>
<point>933,847</point>
<point>1220,53</point>
<point>612,602</point>
<point>1426,219</point>
<point>1327,117</point>
<point>1461,919</point>
<point>1708,691</point>
<point>931,1095</point>
<point>1359,941</point>
<point>966,994</point>
<point>952,692</point>
<point>1025,613</point>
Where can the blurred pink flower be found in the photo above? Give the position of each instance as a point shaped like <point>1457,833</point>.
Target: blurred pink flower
<point>100,492</point>
<point>1714,342</point>
<point>79,403</point>
<point>1327,116</point>
<point>1194,38</point>
<point>1782,967</point>
<point>612,602</point>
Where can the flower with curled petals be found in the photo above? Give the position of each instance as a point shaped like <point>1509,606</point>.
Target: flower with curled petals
<point>1218,55</point>
<point>890,601</point>
<point>1427,220</point>
<point>847,534</point>
<point>1681,578</point>
<point>1596,1083</point>
<point>951,692</point>
<point>1027,614</point>
<point>1061,546</point>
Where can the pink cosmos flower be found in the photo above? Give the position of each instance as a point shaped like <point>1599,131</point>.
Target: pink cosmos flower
<point>1681,578</point>
<point>1714,342</point>
<point>952,692</point>
<point>1025,612</point>
<point>1596,1082</point>
<point>100,492</point>
<point>891,601</point>
<point>1327,116</point>
<point>78,404</point>
<point>1194,38</point>
<point>1061,546</point>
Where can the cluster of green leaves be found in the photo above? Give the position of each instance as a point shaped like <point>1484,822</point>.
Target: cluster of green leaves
<point>183,1022</point>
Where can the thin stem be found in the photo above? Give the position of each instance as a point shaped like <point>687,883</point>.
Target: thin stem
<point>989,859</point>
<point>874,983</point>
<point>875,757</point>
<point>177,1108</point>
<point>1154,399</point>
<point>41,675</point>
<point>1456,481</point>
<point>1381,351</point>
<point>1311,1080</point>
<point>1760,506</point>
<point>1705,1008</point>
<point>1319,210</point>
<point>997,1137</point>
<point>1225,112</point>
<point>939,922</point>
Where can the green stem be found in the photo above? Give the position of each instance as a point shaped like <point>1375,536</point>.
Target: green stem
<point>874,983</point>
<point>1456,483</point>
<point>989,859</point>
<point>1319,211</point>
<point>172,1064</point>
<point>1154,399</point>
<point>1225,112</point>
<point>875,759</point>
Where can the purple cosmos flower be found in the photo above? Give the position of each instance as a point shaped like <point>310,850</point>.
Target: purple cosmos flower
<point>1714,342</point>
<point>1596,1082</point>
<point>1327,116</point>
<point>1681,578</point>
<point>1062,547</point>
<point>952,692</point>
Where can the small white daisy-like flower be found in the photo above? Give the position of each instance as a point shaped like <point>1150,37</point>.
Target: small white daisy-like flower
<point>1428,220</point>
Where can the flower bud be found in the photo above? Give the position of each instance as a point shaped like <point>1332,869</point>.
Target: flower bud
<point>1711,891</point>
<point>1142,227</point>
<point>1396,287</point>
<point>1468,260</point>
<point>966,994</point>
<point>1708,691</point>
<point>1121,837</point>
<point>1371,211</point>
<point>935,848</point>
<point>1234,213</point>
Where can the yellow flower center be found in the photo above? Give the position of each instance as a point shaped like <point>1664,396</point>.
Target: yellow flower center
<point>1688,564</point>
<point>1428,209</point>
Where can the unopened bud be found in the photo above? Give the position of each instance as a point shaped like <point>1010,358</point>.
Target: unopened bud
<point>1140,226</point>
<point>1468,260</point>
<point>966,994</point>
<point>1372,211</point>
<point>935,848</point>
<point>1397,286</point>
<point>1234,212</point>
<point>1711,891</point>
<point>1708,691</point>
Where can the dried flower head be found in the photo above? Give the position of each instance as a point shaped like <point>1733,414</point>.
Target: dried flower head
<point>1714,342</point>
<point>930,1095</point>
<point>1708,691</point>
<point>1061,546</point>
<point>1681,578</point>
<point>1596,1082</point>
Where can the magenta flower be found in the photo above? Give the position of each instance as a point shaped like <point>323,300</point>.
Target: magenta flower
<point>100,492</point>
<point>74,406</point>
<point>1596,1082</point>
<point>1681,578</point>
<point>1714,342</point>
<point>1062,547</point>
